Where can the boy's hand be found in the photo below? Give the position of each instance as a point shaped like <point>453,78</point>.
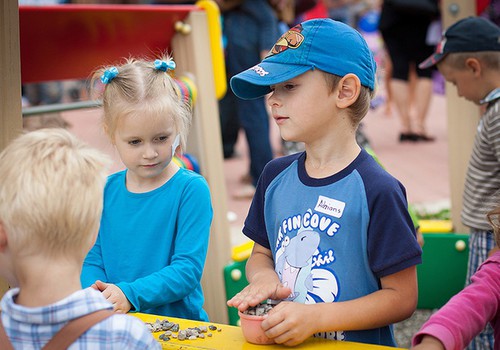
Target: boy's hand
<point>290,323</point>
<point>114,295</point>
<point>258,291</point>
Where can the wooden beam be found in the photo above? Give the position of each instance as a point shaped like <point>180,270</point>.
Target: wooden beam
<point>10,73</point>
<point>192,54</point>
<point>462,117</point>
<point>10,81</point>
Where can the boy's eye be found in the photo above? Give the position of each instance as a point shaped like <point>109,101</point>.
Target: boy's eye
<point>289,86</point>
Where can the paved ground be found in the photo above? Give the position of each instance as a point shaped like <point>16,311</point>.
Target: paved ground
<point>403,331</point>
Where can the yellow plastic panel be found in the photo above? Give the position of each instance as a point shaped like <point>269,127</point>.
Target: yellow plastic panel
<point>435,226</point>
<point>231,338</point>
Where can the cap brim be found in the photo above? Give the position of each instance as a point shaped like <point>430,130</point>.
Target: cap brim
<point>432,60</point>
<point>256,81</point>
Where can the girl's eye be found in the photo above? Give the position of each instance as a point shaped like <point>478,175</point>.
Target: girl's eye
<point>134,142</point>
<point>162,138</point>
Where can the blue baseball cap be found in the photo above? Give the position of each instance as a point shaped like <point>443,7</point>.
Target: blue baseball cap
<point>325,44</point>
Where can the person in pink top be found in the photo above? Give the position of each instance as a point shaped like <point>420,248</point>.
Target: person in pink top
<point>467,313</point>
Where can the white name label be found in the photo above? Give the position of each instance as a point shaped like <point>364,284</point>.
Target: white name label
<point>330,206</point>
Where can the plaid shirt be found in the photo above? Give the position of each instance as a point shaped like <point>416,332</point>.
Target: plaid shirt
<point>31,328</point>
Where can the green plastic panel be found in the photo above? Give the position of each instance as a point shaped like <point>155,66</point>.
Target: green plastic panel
<point>443,270</point>
<point>234,280</point>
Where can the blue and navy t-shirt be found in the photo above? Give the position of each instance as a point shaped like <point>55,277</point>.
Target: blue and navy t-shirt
<point>333,238</point>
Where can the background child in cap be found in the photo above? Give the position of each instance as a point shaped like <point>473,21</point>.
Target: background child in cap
<point>469,58</point>
<point>153,239</point>
<point>332,233</point>
<point>466,314</point>
<point>50,205</point>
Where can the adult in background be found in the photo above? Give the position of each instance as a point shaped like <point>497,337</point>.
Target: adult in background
<point>250,29</point>
<point>404,33</point>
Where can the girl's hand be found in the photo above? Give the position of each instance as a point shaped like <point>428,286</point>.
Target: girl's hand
<point>258,291</point>
<point>290,323</point>
<point>429,343</point>
<point>114,295</point>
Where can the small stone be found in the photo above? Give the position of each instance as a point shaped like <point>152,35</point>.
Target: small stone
<point>181,335</point>
<point>259,310</point>
<point>164,337</point>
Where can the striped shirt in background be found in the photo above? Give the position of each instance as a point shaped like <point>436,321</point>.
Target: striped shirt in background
<point>482,182</point>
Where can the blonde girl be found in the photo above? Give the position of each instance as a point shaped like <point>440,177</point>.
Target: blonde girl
<point>153,239</point>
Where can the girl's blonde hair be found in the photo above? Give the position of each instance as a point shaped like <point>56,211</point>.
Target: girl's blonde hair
<point>140,88</point>
<point>51,193</point>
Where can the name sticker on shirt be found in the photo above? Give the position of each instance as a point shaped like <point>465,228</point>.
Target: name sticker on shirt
<point>330,206</point>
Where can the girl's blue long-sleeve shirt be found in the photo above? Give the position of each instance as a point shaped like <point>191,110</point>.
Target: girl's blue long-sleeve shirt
<point>153,245</point>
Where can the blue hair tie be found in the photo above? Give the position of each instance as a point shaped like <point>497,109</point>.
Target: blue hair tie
<point>164,65</point>
<point>109,74</point>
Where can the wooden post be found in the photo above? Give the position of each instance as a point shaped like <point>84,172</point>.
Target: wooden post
<point>10,81</point>
<point>192,54</point>
<point>463,117</point>
<point>10,73</point>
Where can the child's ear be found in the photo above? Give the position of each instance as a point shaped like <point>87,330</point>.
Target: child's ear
<point>474,65</point>
<point>349,90</point>
<point>3,238</point>
<point>106,132</point>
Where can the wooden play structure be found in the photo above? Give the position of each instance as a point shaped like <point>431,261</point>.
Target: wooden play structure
<point>186,31</point>
<point>461,121</point>
<point>70,41</point>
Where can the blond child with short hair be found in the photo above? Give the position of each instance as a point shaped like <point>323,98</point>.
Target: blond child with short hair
<point>50,206</point>
<point>333,236</point>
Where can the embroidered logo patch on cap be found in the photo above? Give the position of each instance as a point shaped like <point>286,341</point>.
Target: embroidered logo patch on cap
<point>290,40</point>
<point>324,44</point>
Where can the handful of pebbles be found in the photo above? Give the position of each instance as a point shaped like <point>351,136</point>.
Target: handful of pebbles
<point>172,330</point>
<point>259,310</point>
<point>251,322</point>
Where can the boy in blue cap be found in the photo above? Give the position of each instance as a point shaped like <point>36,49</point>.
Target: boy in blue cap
<point>468,56</point>
<point>333,237</point>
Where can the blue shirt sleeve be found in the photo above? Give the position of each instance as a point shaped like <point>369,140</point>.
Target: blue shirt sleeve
<point>93,267</point>
<point>392,244</point>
